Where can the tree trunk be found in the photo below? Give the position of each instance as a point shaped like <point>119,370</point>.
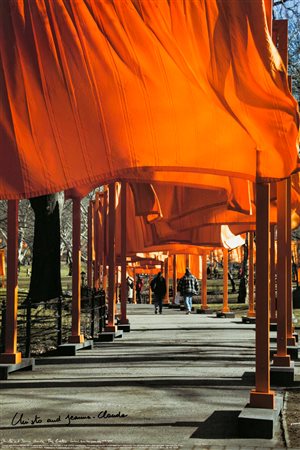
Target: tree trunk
<point>45,280</point>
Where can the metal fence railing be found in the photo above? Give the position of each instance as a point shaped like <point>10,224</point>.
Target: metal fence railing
<point>43,326</point>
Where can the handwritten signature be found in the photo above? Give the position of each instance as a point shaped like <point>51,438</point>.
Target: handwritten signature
<point>20,419</point>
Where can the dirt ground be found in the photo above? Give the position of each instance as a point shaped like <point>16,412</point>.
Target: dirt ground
<point>292,418</point>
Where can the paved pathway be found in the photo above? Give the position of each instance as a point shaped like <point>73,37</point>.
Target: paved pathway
<point>175,381</point>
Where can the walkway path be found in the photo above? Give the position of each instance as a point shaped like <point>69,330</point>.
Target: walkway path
<point>176,380</point>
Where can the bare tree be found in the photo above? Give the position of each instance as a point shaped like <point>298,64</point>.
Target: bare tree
<point>290,10</point>
<point>26,224</point>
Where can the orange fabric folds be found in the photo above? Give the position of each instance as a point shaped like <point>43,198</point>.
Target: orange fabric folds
<point>96,91</point>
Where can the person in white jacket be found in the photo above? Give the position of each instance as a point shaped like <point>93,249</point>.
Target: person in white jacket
<point>130,284</point>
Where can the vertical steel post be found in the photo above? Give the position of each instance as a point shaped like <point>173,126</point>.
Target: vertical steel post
<point>290,338</point>
<point>89,246</point>
<point>225,308</point>
<point>76,337</point>
<point>123,319</point>
<point>104,237</point>
<point>174,277</point>
<point>10,355</point>
<point>167,297</point>
<point>262,396</point>
<point>281,358</point>
<point>272,276</point>
<point>204,282</point>
<point>97,238</point>
<point>111,258</point>
<point>150,292</point>
<point>251,312</point>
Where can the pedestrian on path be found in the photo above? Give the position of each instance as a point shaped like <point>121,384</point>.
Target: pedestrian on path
<point>159,288</point>
<point>138,289</point>
<point>188,286</point>
<point>130,285</point>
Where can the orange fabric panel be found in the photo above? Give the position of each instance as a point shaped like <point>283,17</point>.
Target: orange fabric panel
<point>220,214</point>
<point>95,91</point>
<point>146,201</point>
<point>180,265</point>
<point>217,216</point>
<point>78,192</point>
<point>242,228</point>
<point>181,176</point>
<point>178,201</point>
<point>186,208</point>
<point>135,228</point>
<point>143,237</point>
<point>196,266</point>
<point>149,270</point>
<point>177,249</point>
<point>145,240</point>
<point>206,236</point>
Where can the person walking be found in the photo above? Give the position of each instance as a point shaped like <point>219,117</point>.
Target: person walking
<point>188,286</point>
<point>159,288</point>
<point>129,282</point>
<point>138,289</point>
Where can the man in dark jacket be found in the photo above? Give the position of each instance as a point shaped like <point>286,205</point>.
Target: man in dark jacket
<point>159,288</point>
<point>188,286</point>
<point>138,289</point>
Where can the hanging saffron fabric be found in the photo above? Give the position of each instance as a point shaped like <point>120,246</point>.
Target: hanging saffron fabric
<point>96,91</point>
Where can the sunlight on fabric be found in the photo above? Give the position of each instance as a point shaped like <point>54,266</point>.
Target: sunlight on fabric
<point>230,240</point>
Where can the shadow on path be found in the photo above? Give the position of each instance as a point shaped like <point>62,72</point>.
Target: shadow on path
<point>220,425</point>
<point>246,380</point>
